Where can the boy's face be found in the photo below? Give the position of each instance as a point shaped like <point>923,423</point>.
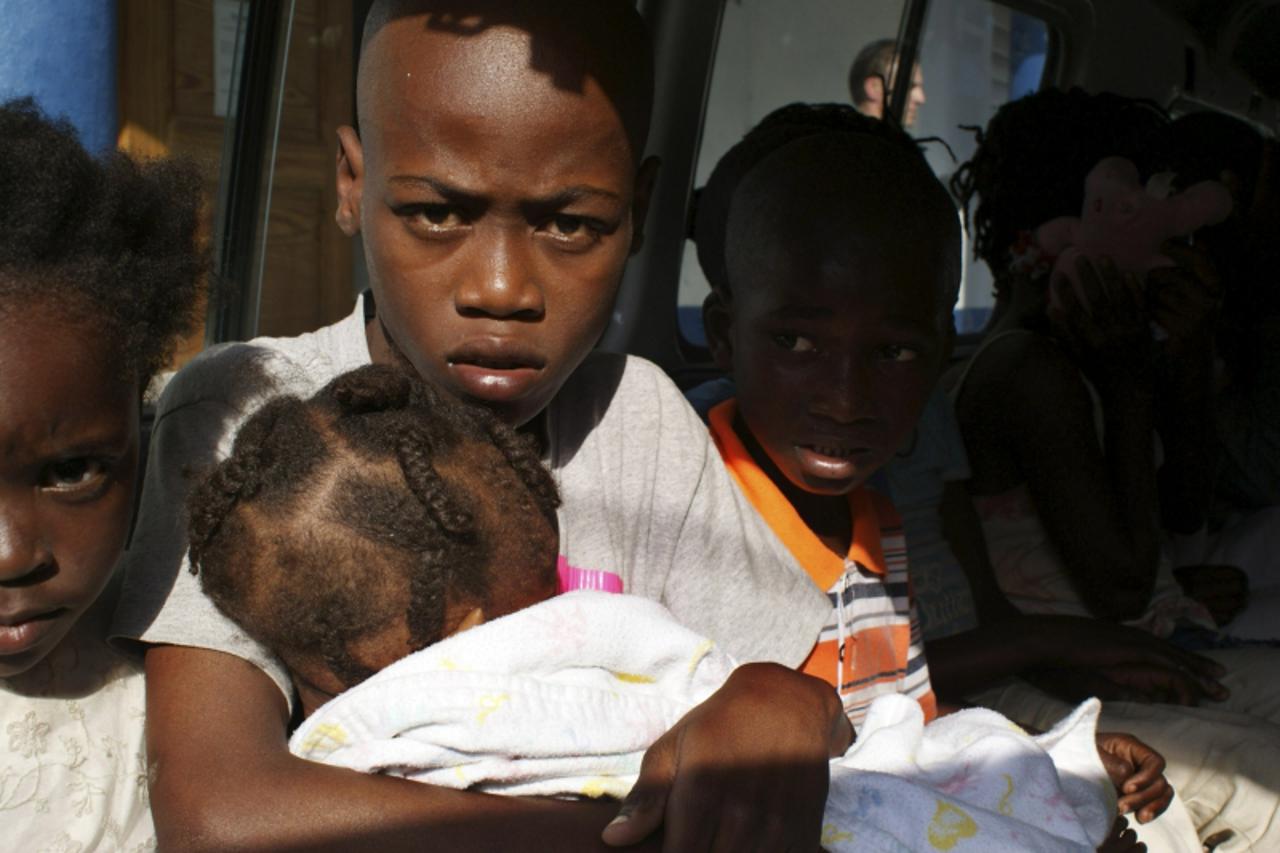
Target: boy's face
<point>497,212</point>
<point>68,459</point>
<point>833,351</point>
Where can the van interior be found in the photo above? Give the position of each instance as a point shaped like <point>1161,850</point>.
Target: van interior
<point>255,91</point>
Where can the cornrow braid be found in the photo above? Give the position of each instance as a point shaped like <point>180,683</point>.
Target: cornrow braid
<point>413,450</point>
<point>238,480</point>
<point>521,454</point>
<point>330,512</point>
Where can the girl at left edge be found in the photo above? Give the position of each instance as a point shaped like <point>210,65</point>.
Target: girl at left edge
<point>101,271</point>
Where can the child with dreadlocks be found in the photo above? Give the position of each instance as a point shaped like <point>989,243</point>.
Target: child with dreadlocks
<point>414,540</point>
<point>1059,423</point>
<point>100,272</point>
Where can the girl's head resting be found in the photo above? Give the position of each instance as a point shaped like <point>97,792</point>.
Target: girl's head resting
<point>377,517</point>
<point>834,257</point>
<point>100,271</point>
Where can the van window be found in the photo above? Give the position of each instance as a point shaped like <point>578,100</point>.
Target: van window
<point>975,55</point>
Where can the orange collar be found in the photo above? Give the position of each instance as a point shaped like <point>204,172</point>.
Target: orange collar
<point>822,565</point>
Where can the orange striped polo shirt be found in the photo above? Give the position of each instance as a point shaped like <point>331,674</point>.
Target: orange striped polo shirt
<point>872,613</point>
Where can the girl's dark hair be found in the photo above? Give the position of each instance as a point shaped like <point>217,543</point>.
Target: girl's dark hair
<point>328,509</point>
<point>1033,157</point>
<point>107,241</point>
<point>775,131</point>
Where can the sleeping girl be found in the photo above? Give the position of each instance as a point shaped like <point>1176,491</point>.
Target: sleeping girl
<point>398,551</point>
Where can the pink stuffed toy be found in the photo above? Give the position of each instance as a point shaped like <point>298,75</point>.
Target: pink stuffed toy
<point>1126,222</point>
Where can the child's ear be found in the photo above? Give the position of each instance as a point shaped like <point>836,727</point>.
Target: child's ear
<point>717,320</point>
<point>472,619</point>
<point>646,178</point>
<point>350,178</point>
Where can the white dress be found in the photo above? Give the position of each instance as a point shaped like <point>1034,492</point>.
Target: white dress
<point>73,767</point>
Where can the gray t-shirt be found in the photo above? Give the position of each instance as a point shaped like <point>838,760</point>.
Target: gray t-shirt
<point>644,493</point>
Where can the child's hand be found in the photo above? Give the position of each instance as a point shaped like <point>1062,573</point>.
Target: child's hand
<point>745,770</point>
<point>1153,683</point>
<point>1106,325</point>
<point>1088,657</point>
<point>1071,641</point>
<point>1224,590</point>
<point>1121,839</point>
<point>1137,771</point>
<point>1184,299</point>
<point>1130,682</point>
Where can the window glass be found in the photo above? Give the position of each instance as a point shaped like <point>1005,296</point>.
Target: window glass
<point>152,79</point>
<point>306,265</point>
<point>975,56</point>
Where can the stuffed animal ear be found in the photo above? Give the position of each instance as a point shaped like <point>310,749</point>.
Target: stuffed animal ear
<point>1160,185</point>
<point>1112,175</point>
<point>1202,204</point>
<point>1057,234</point>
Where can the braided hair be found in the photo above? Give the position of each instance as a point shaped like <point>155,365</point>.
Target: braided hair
<point>105,241</point>
<point>1033,157</point>
<point>377,493</point>
<point>779,129</point>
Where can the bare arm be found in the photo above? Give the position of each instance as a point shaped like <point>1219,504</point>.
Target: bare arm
<point>1185,303</point>
<point>962,530</point>
<point>223,779</point>
<point>1099,507</point>
<point>1008,643</point>
<point>1122,662</point>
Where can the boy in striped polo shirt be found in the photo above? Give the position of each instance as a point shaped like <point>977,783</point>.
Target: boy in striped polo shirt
<point>843,251</point>
<point>833,254</point>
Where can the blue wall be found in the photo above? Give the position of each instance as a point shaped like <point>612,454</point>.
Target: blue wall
<point>63,52</point>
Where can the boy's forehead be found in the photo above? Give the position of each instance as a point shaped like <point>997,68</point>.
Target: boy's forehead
<point>814,217</point>
<point>484,75</point>
<point>802,286</point>
<point>472,113</point>
<point>821,260</point>
<point>423,61</point>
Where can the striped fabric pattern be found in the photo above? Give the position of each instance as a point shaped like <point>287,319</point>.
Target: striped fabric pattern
<point>872,612</point>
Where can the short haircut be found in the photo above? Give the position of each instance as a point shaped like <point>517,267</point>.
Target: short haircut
<point>801,121</point>
<point>1033,157</point>
<point>378,492</point>
<point>108,241</point>
<point>605,40</point>
<point>874,60</point>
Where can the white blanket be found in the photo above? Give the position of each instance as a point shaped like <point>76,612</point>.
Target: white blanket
<point>564,697</point>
